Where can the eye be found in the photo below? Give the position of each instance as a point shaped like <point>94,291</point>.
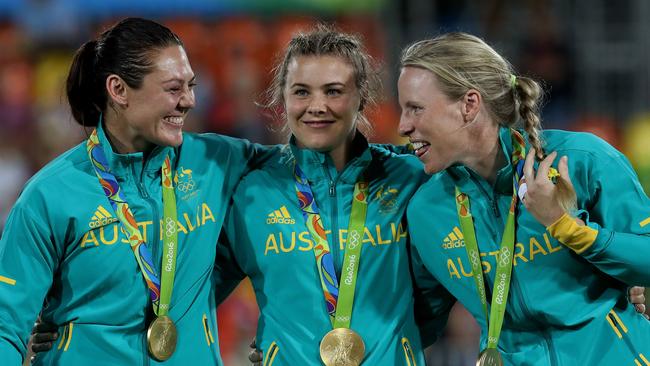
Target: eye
<point>192,85</point>
<point>301,92</point>
<point>415,109</point>
<point>334,92</point>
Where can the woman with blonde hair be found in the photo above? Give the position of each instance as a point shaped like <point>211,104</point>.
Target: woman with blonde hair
<point>538,249</point>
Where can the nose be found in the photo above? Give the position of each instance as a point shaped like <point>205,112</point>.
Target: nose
<point>317,105</point>
<point>187,100</point>
<point>405,127</point>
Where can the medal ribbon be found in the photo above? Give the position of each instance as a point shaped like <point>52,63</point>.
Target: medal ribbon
<point>339,297</point>
<point>160,293</point>
<point>506,251</point>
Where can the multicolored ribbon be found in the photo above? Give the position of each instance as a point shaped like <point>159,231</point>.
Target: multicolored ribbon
<point>506,251</point>
<point>140,250</point>
<point>339,298</point>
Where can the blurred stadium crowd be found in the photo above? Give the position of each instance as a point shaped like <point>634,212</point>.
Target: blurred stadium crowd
<point>233,49</point>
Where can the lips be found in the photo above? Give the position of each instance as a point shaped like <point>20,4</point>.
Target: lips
<point>174,120</point>
<point>420,147</point>
<point>318,123</point>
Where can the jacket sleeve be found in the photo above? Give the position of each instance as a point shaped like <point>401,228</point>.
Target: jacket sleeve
<point>619,210</point>
<point>28,260</point>
<point>432,301</point>
<point>239,156</point>
<point>227,272</point>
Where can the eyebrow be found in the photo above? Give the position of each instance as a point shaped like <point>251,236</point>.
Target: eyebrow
<point>336,83</point>
<point>193,79</point>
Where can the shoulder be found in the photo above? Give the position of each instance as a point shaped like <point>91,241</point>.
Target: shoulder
<point>401,163</point>
<point>581,144</point>
<point>57,181</point>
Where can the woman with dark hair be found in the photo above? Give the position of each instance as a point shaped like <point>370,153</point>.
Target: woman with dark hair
<point>138,200</point>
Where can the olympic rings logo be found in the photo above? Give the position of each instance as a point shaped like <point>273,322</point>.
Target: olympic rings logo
<point>504,257</point>
<point>170,227</point>
<point>186,186</point>
<point>354,239</point>
<point>474,257</point>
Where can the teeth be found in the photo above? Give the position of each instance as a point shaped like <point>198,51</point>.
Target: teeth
<point>418,145</point>
<point>174,120</point>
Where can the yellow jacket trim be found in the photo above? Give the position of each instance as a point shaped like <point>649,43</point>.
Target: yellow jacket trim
<point>575,236</point>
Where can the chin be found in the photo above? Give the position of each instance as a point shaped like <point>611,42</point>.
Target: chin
<point>173,141</point>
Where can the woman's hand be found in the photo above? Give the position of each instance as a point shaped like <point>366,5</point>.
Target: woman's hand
<point>541,197</point>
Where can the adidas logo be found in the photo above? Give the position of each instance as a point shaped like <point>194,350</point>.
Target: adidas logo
<point>454,239</point>
<point>101,218</point>
<point>280,216</point>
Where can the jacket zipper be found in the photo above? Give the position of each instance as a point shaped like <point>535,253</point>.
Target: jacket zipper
<point>334,221</point>
<point>154,239</point>
<point>493,203</point>
<point>515,287</point>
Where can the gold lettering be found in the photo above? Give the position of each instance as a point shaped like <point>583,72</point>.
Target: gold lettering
<point>487,267</point>
<point>462,270</point>
<point>89,237</point>
<point>393,230</point>
<point>143,229</point>
<point>452,269</point>
<point>305,238</point>
<point>271,244</point>
<point>378,229</point>
<point>207,214</point>
<point>181,228</point>
<point>103,238</point>
<point>401,233</point>
<point>549,246</point>
<point>189,222</point>
<point>342,239</point>
<point>535,243</point>
<point>367,237</point>
<point>519,253</point>
<point>125,237</point>
<point>293,242</point>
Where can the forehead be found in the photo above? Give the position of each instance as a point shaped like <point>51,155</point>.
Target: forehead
<point>416,78</point>
<point>171,63</point>
<point>319,70</point>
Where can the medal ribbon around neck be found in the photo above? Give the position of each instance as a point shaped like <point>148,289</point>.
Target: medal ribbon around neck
<point>504,259</point>
<point>339,297</point>
<point>160,293</point>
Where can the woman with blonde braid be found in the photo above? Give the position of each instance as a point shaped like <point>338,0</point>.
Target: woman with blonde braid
<point>538,249</point>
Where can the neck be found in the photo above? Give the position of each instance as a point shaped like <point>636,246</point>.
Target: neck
<point>122,138</point>
<point>341,155</point>
<point>486,156</point>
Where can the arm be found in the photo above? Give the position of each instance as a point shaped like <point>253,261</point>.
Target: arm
<point>432,301</point>
<point>28,260</point>
<point>611,229</point>
<point>227,273</point>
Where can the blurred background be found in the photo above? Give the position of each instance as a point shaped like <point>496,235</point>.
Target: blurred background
<point>592,55</point>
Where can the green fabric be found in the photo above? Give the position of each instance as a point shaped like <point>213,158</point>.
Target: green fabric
<point>559,302</point>
<point>58,247</point>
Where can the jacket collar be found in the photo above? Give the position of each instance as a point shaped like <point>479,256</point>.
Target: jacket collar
<point>319,166</point>
<point>122,164</point>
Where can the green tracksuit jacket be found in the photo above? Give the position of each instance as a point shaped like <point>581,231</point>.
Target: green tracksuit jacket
<point>270,243</point>
<point>63,244</point>
<point>563,308</point>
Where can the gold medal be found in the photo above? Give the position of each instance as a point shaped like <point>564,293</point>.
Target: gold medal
<point>342,347</point>
<point>161,338</point>
<point>490,357</point>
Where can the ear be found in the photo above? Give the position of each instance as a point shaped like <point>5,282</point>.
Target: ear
<point>117,90</point>
<point>471,104</point>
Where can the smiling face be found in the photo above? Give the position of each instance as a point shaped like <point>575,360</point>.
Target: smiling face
<point>154,113</point>
<point>431,120</point>
<point>322,102</point>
